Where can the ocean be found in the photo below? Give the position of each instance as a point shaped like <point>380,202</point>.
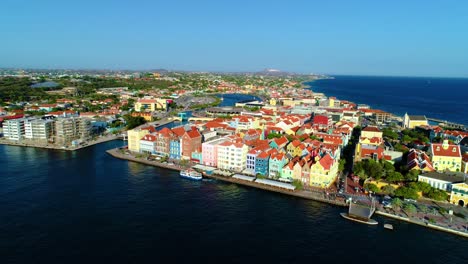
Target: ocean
<point>88,207</point>
<point>441,98</point>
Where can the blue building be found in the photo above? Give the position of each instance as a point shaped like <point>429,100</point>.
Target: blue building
<point>174,149</point>
<point>261,163</point>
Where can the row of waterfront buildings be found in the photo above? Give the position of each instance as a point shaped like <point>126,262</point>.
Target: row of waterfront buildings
<point>241,145</point>
<point>62,131</point>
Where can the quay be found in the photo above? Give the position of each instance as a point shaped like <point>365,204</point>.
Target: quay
<point>297,193</point>
<point>429,225</point>
<point>86,144</point>
<point>116,153</point>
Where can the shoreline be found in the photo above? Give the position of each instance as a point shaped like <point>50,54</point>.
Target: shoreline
<point>448,122</point>
<point>54,147</point>
<point>299,193</point>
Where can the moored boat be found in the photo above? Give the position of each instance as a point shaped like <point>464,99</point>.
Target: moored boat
<point>367,221</point>
<point>191,174</point>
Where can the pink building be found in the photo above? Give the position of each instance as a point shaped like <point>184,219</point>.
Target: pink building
<point>210,152</point>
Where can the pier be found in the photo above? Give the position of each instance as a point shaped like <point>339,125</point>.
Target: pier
<point>446,123</point>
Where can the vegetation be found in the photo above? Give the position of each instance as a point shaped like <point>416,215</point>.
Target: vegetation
<point>407,193</point>
<point>274,135</point>
<point>133,122</point>
<point>371,187</point>
<point>297,184</point>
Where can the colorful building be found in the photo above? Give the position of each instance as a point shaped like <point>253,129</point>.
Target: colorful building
<point>232,156</point>
<point>135,135</point>
<point>276,164</point>
<point>446,156</point>
<point>459,194</point>
<point>150,104</point>
<point>412,121</point>
<point>261,163</point>
<point>324,172</point>
<point>148,144</point>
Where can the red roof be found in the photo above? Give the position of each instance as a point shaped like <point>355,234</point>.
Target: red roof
<point>151,129</point>
<point>371,129</point>
<point>179,131</point>
<point>149,137</point>
<point>320,120</point>
<point>449,150</point>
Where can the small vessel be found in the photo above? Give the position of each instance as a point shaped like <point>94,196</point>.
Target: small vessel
<point>361,213</point>
<point>388,226</point>
<point>361,220</point>
<point>191,174</point>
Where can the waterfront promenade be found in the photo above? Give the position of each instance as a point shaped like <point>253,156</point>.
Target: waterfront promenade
<point>440,223</point>
<point>311,195</point>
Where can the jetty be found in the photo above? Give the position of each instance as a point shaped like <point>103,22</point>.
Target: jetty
<point>446,123</point>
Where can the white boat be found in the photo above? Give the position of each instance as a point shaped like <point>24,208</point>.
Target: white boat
<point>388,226</point>
<point>191,174</point>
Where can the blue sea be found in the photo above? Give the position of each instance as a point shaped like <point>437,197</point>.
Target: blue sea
<point>88,207</point>
<point>441,98</point>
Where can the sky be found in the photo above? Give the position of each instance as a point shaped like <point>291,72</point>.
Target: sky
<point>399,37</point>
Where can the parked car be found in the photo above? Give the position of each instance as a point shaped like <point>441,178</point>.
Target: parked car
<point>410,200</point>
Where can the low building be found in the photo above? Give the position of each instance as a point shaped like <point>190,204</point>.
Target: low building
<point>459,194</point>
<point>441,181</point>
<point>134,136</point>
<point>151,104</point>
<point>412,121</point>
<point>446,156</point>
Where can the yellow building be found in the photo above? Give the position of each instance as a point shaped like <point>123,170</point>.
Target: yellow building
<point>324,172</point>
<point>134,137</point>
<point>272,101</point>
<point>371,132</point>
<point>150,105</point>
<point>412,121</point>
<point>146,115</point>
<point>331,101</point>
<point>446,156</point>
<point>459,194</point>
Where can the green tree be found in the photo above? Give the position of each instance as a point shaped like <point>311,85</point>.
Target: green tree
<point>388,189</point>
<point>371,187</point>
<point>407,193</point>
<point>133,122</point>
<point>394,176</point>
<point>410,208</point>
<point>341,165</point>
<point>412,175</point>
<point>396,203</point>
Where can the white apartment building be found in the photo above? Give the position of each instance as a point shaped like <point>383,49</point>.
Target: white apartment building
<point>39,129</point>
<point>13,129</point>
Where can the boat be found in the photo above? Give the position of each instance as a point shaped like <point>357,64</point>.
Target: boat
<point>366,221</point>
<point>361,213</point>
<point>191,174</point>
<point>388,226</point>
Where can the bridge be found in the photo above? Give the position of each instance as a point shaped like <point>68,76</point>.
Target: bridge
<point>191,119</point>
<point>446,123</point>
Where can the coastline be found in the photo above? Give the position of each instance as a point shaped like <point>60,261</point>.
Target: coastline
<point>299,194</point>
<point>4,141</point>
<point>438,121</point>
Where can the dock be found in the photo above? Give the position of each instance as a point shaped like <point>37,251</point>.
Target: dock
<point>446,123</point>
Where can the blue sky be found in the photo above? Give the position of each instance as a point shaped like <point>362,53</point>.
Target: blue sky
<point>409,38</point>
